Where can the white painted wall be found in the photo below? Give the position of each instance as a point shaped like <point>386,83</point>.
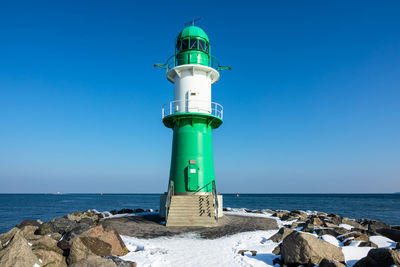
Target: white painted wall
<point>192,87</point>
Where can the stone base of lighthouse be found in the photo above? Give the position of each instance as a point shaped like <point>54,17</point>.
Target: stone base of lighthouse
<point>188,209</point>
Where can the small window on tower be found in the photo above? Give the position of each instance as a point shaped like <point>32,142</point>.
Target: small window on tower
<point>185,44</point>
<point>202,45</point>
<point>193,43</point>
<point>207,45</point>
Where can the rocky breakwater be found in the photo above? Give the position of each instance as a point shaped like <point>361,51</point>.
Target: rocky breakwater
<point>320,239</point>
<point>76,239</point>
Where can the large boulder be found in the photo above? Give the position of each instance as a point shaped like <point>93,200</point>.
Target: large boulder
<point>111,237</point>
<point>46,228</point>
<point>302,248</point>
<point>6,237</point>
<point>83,246</point>
<point>89,217</point>
<point>281,234</point>
<point>374,225</point>
<point>28,222</point>
<point>380,257</point>
<point>63,225</point>
<point>18,253</point>
<point>93,261</point>
<point>65,242</point>
<point>50,258</point>
<point>393,234</point>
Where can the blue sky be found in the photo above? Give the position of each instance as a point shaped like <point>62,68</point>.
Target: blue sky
<point>312,104</point>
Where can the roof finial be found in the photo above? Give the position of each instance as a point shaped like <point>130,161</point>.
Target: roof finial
<point>192,22</point>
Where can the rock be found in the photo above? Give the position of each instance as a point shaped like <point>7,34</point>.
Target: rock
<point>277,250</point>
<point>280,213</point>
<point>393,234</point>
<point>111,237</point>
<point>374,225</point>
<point>380,257</point>
<point>226,209</point>
<point>45,229</point>
<point>65,242</point>
<point>353,236</point>
<point>83,246</point>
<point>45,243</point>
<point>88,221</point>
<point>138,210</point>
<point>331,263</point>
<point>289,217</point>
<point>332,231</point>
<point>309,228</point>
<point>278,261</point>
<point>296,225</point>
<point>6,237</point>
<point>315,221</point>
<point>93,261</point>
<point>331,225</point>
<point>368,244</point>
<point>50,258</point>
<point>63,225</point>
<point>28,222</point>
<point>17,253</point>
<point>366,262</point>
<point>268,211</point>
<point>301,248</point>
<point>334,218</point>
<point>352,223</point>
<point>299,212</point>
<point>28,232</point>
<point>257,211</point>
<point>398,246</point>
<point>242,251</point>
<point>123,211</point>
<point>119,262</point>
<point>281,234</point>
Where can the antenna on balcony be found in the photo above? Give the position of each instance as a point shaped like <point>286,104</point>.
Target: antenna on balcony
<point>192,22</point>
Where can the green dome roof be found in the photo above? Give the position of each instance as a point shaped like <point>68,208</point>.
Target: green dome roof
<point>193,31</point>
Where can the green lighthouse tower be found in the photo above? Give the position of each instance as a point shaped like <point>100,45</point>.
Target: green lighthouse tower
<point>192,199</point>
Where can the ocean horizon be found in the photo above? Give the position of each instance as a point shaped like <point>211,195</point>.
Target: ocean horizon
<point>15,207</point>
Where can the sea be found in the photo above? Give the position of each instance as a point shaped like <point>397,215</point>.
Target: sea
<point>16,207</point>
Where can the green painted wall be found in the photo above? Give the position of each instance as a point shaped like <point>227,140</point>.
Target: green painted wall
<point>192,140</point>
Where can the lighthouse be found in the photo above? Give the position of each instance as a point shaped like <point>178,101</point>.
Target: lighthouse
<point>192,198</point>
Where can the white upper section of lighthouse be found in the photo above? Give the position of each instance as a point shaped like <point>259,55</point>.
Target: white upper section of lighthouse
<point>192,87</point>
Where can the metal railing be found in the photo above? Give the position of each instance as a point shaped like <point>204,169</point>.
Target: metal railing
<point>169,197</point>
<point>172,62</point>
<point>215,195</point>
<point>193,106</point>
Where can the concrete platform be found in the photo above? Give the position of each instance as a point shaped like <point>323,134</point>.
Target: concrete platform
<point>149,226</point>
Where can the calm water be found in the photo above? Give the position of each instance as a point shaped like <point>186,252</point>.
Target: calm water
<point>16,207</point>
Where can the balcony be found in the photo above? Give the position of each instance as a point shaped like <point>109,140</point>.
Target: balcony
<point>192,106</point>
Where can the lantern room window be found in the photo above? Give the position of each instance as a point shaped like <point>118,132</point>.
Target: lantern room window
<point>193,43</point>
<point>202,45</point>
<point>185,44</point>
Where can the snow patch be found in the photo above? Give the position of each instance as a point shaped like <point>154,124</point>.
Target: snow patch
<point>382,242</point>
<point>330,239</point>
<point>191,250</point>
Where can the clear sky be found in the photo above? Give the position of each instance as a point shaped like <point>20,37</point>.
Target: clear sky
<point>312,104</point>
